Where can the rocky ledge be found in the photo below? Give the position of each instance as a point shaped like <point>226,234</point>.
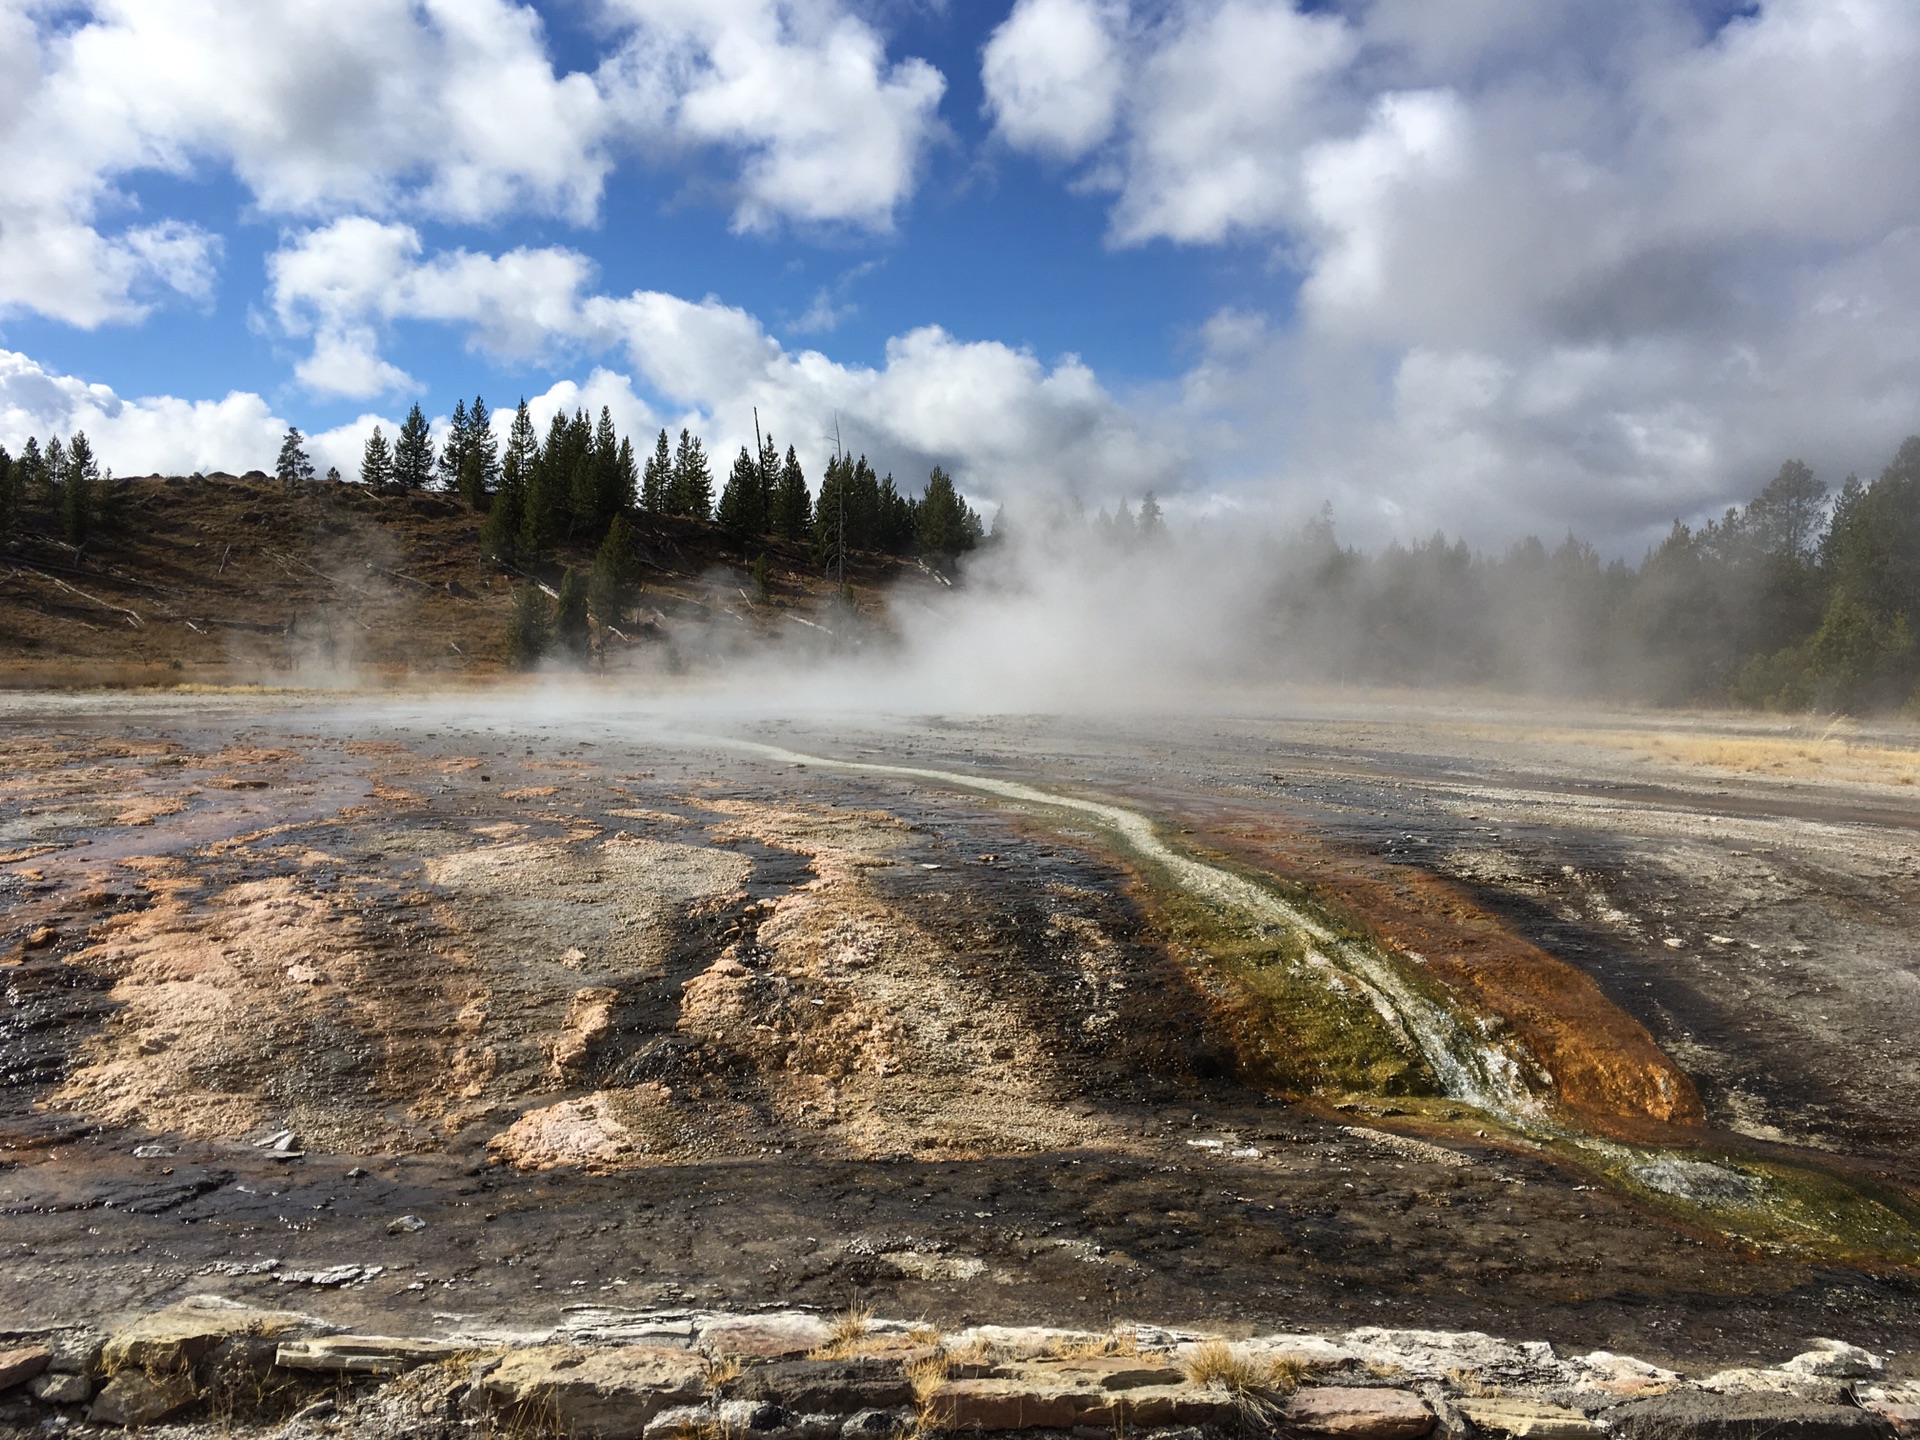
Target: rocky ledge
<point>208,1366</point>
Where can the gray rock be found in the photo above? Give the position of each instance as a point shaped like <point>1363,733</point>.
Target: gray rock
<point>837,1387</point>
<point>134,1397</point>
<point>58,1389</point>
<point>361,1354</point>
<point>1701,1415</point>
<point>760,1418</point>
<point>1527,1419</point>
<point>677,1420</point>
<point>1777,1382</point>
<point>1837,1360</point>
<point>179,1336</point>
<point>611,1393</point>
<point>786,1335</point>
<point>21,1365</point>
<point>872,1425</point>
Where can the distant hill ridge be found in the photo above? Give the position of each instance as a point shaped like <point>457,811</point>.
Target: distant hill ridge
<point>226,579</point>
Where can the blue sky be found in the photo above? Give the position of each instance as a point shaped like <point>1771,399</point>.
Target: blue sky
<point>1495,266</point>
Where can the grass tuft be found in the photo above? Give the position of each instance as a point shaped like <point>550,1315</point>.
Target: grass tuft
<point>1120,1341</point>
<point>1287,1373</point>
<point>1216,1363</point>
<point>849,1330</point>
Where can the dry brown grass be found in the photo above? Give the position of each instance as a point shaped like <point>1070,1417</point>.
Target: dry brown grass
<point>848,1332</point>
<point>719,1369</point>
<point>1216,1363</point>
<point>1832,756</point>
<point>975,1352</point>
<point>928,1375</point>
<point>1287,1373</point>
<point>1121,1341</point>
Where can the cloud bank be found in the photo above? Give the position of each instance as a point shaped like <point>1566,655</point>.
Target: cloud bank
<point>449,110</point>
<point>1541,265</point>
<point>1557,264</point>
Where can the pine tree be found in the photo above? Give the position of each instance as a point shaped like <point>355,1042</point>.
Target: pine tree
<point>506,516</point>
<point>626,479</point>
<point>948,528</point>
<point>376,462</point>
<point>9,505</point>
<point>80,482</point>
<point>1153,525</point>
<point>762,580</point>
<point>30,474</point>
<point>523,450</point>
<point>658,478</point>
<point>546,509</point>
<point>769,480</point>
<point>792,509</point>
<point>413,451</point>
<point>527,630</point>
<point>740,503</point>
<point>293,464</point>
<point>480,459</point>
<point>570,631</point>
<point>333,474</point>
<point>690,491</point>
<point>831,522</point>
<point>453,450</point>
<point>606,474</point>
<point>613,570</point>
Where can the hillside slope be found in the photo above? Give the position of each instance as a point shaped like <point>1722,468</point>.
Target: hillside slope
<point>225,579</point>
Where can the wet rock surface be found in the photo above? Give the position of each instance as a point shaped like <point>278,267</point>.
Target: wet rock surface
<point>633,1023</point>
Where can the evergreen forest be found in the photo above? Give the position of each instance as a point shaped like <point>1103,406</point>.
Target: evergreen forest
<point>1802,599</point>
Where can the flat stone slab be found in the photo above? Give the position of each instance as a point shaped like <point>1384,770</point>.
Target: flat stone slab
<point>134,1397</point>
<point>1355,1412</point>
<point>826,1386</point>
<point>178,1337</point>
<point>610,1393</point>
<point>1702,1415</point>
<point>1527,1419</point>
<point>1107,1372</point>
<point>766,1337</point>
<point>361,1354</point>
<point>1025,1403</point>
<point>21,1365</point>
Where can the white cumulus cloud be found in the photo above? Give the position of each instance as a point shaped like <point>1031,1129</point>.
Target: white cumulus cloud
<point>1053,72</point>
<point>828,129</point>
<point>408,110</point>
<point>156,433</point>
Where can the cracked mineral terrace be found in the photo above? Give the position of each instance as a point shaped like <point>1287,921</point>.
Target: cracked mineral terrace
<point>444,1016</point>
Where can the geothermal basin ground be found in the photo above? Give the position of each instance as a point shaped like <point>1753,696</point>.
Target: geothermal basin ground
<point>432,1013</point>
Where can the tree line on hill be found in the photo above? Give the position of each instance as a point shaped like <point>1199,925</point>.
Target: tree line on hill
<point>581,485</point>
<point>572,485</point>
<point>1798,600</point>
<point>62,484</point>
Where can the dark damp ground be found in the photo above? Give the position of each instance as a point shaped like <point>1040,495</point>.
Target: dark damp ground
<point>1798,1025</point>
